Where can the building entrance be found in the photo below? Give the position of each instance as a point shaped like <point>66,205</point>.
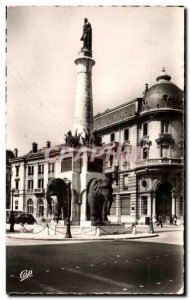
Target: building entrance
<point>164,201</point>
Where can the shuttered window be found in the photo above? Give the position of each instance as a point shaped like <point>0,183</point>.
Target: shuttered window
<point>125,204</point>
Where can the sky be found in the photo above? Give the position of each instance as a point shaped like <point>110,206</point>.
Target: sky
<point>130,47</point>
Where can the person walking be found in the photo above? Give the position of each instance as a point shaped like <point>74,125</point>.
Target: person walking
<point>161,221</point>
<point>12,221</point>
<point>175,220</point>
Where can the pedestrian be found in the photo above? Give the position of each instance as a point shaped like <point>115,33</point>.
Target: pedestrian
<point>12,221</point>
<point>175,220</point>
<point>161,221</point>
<point>133,228</point>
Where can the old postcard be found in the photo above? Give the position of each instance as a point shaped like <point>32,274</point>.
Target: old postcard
<point>95,150</point>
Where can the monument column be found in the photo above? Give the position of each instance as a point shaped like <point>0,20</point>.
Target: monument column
<point>83,117</point>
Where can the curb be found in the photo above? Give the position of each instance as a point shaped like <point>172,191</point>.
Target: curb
<point>83,239</point>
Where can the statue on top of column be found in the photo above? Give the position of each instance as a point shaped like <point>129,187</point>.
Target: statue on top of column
<point>87,35</point>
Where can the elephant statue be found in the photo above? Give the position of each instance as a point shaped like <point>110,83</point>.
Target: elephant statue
<point>62,190</point>
<point>99,200</point>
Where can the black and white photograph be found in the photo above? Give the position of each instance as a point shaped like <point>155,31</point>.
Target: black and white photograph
<point>95,181</point>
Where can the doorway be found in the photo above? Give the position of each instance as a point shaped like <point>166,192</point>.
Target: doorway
<point>164,202</point>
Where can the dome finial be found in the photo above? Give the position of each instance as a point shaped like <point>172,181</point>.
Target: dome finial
<point>163,75</point>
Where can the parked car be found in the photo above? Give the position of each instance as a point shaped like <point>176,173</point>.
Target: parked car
<point>25,218</point>
<point>16,213</point>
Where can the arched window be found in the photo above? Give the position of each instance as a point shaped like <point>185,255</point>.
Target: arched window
<point>40,208</point>
<point>30,206</point>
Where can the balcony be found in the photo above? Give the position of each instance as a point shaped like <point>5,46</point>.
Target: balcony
<point>165,138</point>
<point>51,174</point>
<point>40,175</point>
<point>39,191</point>
<point>110,169</point>
<point>160,161</point>
<point>145,141</point>
<point>29,191</point>
<point>112,145</point>
<point>16,193</point>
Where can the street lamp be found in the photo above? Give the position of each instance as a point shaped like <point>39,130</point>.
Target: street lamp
<point>68,227</point>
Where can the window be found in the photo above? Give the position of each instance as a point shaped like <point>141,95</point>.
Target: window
<point>144,205</point>
<point>144,183</point>
<point>30,206</point>
<point>125,205</point>
<point>126,134</point>
<point>17,184</point>
<point>40,183</point>
<point>51,168</point>
<point>30,170</point>
<point>16,205</point>
<point>145,153</point>
<point>17,170</point>
<point>41,169</point>
<point>125,181</point>
<point>96,165</point>
<point>164,151</point>
<point>165,126</point>
<point>66,164</point>
<point>111,161</point>
<point>30,184</point>
<point>112,137</point>
<point>145,129</point>
<point>40,208</point>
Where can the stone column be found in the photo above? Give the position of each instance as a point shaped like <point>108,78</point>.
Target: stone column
<point>173,203</point>
<point>178,205</point>
<point>153,207</point>
<point>83,220</point>
<point>83,118</point>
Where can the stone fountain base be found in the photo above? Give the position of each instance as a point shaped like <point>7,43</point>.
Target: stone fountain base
<point>54,229</point>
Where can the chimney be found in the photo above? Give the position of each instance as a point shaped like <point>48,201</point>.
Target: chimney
<point>146,87</point>
<point>34,147</point>
<point>15,152</point>
<point>48,143</point>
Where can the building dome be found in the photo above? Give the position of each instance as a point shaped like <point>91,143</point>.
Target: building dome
<point>164,94</point>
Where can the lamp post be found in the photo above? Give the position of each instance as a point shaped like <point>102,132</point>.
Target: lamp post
<point>68,225</point>
<point>12,217</point>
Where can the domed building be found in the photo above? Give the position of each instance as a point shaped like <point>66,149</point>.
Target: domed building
<point>145,141</point>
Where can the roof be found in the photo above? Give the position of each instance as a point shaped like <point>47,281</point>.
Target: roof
<point>163,94</point>
<point>116,115</point>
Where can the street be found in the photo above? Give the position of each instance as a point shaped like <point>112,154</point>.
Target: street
<point>95,267</point>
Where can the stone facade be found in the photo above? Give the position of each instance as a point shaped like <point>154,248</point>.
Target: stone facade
<point>149,139</point>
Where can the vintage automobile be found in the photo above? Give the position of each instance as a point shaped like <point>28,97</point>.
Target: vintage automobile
<point>25,218</point>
